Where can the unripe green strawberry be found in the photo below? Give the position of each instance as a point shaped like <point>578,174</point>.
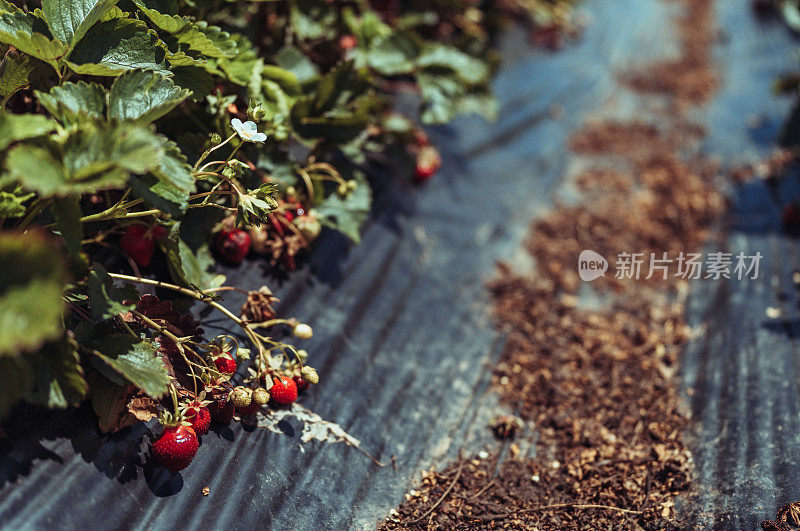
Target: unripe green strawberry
<point>309,374</point>
<point>303,331</point>
<point>260,396</point>
<point>241,396</point>
<point>309,226</point>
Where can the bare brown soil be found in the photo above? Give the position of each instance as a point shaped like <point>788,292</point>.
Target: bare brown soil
<point>598,384</point>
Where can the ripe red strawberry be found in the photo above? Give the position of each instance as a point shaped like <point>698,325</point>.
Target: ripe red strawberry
<point>176,448</point>
<point>248,410</point>
<point>554,39</point>
<point>301,384</point>
<point>138,242</point>
<point>428,163</point>
<point>347,42</point>
<point>199,416</point>
<point>790,217</point>
<point>283,390</point>
<point>287,211</point>
<point>233,245</point>
<point>221,410</point>
<point>225,363</point>
<point>423,172</point>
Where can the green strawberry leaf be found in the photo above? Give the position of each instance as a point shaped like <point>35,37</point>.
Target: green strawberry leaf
<point>143,96</point>
<point>17,380</point>
<point>241,67</point>
<point>14,127</point>
<point>108,399</point>
<point>97,156</point>
<point>72,102</point>
<point>123,357</point>
<point>393,54</point>
<point>68,214</point>
<point>225,44</point>
<point>468,69</point>
<point>12,204</point>
<point>69,20</point>
<point>29,34</point>
<point>293,60</point>
<point>311,19</point>
<point>338,110</point>
<point>210,41</point>
<point>35,169</point>
<point>115,46</point>
<point>366,27</point>
<point>192,268</point>
<point>196,79</point>
<point>58,376</point>
<point>440,96</point>
<point>19,71</point>
<point>31,289</point>
<point>159,194</point>
<point>347,214</point>
<point>174,169</point>
<point>106,299</point>
<point>168,186</point>
<point>97,147</point>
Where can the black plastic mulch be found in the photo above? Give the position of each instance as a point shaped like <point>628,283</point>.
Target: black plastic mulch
<point>743,371</point>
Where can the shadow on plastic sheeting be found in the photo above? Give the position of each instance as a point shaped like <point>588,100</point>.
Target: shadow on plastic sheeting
<point>29,428</point>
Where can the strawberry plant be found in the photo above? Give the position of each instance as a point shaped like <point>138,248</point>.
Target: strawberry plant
<point>142,139</point>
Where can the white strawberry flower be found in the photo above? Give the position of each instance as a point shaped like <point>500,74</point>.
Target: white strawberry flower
<point>247,131</point>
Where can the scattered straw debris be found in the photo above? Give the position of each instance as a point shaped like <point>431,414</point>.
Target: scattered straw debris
<point>788,518</point>
<point>689,79</point>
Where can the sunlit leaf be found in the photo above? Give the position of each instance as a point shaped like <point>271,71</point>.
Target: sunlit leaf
<point>31,289</point>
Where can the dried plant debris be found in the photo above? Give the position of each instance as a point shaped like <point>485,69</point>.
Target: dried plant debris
<point>258,308</point>
<point>788,518</point>
<point>690,79</point>
<point>537,495</point>
<point>770,168</point>
<point>598,383</point>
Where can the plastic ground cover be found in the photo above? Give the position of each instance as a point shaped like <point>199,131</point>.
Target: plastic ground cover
<point>403,336</point>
